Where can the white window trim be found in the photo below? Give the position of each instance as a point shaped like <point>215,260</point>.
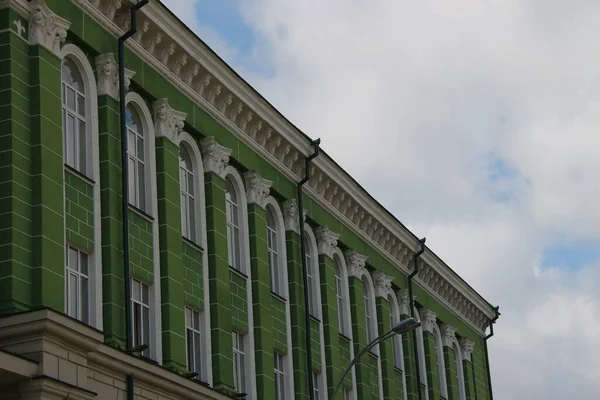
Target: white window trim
<point>203,331</point>
<point>439,344</point>
<point>95,261</point>
<point>143,305</point>
<point>281,373</point>
<point>244,353</point>
<point>462,395</point>
<point>312,241</point>
<point>288,359</point>
<point>69,270</point>
<point>338,256</point>
<point>196,155</point>
<point>421,356</point>
<point>149,143</point>
<point>238,183</point>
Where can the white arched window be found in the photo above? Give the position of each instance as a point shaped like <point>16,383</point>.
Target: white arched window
<point>189,195</point>
<point>83,269</point>
<point>275,250</point>
<point>142,195</point>
<point>370,316</point>
<point>439,361</point>
<point>398,351</point>
<point>238,246</point>
<point>233,212</point>
<point>76,138</point>
<point>421,356</point>
<point>460,376</point>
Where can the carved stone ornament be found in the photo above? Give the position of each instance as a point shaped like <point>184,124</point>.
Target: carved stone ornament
<point>448,334</point>
<point>404,301</point>
<point>428,320</point>
<point>383,284</point>
<point>356,263</point>
<point>215,156</point>
<point>290,215</point>
<point>168,122</point>
<point>108,76</point>
<point>326,240</point>
<point>46,28</point>
<point>257,188</point>
<point>466,348</point>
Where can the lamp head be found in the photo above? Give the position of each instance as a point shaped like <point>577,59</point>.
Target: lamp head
<point>406,325</point>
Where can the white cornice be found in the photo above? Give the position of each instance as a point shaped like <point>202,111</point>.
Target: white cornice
<point>210,83</point>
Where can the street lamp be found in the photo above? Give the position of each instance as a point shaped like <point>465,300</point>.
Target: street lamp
<point>401,327</point>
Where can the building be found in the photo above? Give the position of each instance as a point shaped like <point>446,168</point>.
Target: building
<point>216,264</point>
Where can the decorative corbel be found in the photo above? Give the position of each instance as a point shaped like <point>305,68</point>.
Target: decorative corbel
<point>168,123</point>
<point>326,240</point>
<point>108,75</point>
<point>356,263</point>
<point>46,29</point>
<point>257,188</point>
<point>215,156</point>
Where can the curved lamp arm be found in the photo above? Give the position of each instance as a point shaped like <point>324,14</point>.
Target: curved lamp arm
<point>401,327</point>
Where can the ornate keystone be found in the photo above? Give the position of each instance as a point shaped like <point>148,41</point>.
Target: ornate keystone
<point>215,156</point>
<point>326,240</point>
<point>383,284</point>
<point>108,76</point>
<point>168,122</point>
<point>46,28</point>
<point>403,301</point>
<point>356,263</point>
<point>448,334</point>
<point>257,188</point>
<point>428,320</point>
<point>466,348</point>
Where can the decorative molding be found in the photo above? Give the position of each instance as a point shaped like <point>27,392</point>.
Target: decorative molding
<point>466,348</point>
<point>428,320</point>
<point>108,75</point>
<point>215,156</point>
<point>257,188</point>
<point>267,132</point>
<point>326,240</point>
<point>448,334</point>
<point>383,284</point>
<point>355,263</point>
<point>46,28</point>
<point>290,215</point>
<point>403,301</point>
<point>168,123</point>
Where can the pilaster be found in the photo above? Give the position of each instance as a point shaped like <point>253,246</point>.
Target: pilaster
<point>216,158</point>
<point>466,348</point>
<point>46,32</point>
<point>168,125</point>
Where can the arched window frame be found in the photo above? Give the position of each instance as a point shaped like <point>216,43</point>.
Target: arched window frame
<point>238,185</point>
<point>421,355</point>
<point>136,101</point>
<point>441,365</point>
<point>312,249</point>
<point>187,142</point>
<point>273,205</point>
<point>340,259</point>
<point>185,139</point>
<point>80,60</point>
<point>282,290</point>
<point>458,358</point>
<point>397,339</point>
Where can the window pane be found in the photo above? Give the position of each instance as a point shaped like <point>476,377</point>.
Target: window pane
<point>141,187</point>
<point>140,148</point>
<point>82,147</point>
<point>196,320</point>
<point>84,264</point>
<point>190,184</point>
<point>73,301</point>
<point>197,348</point>
<point>145,294</point>
<point>190,350</point>
<point>132,181</point>
<point>73,259</point>
<point>236,248</point>
<point>192,219</point>
<point>184,216</point>
<point>146,327</point>
<point>70,75</point>
<point>81,105</point>
<point>71,145</point>
<point>85,307</point>
<point>137,325</point>
<point>135,290</point>
<point>131,142</point>
<point>71,99</point>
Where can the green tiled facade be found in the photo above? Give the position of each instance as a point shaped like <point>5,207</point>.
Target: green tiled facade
<point>46,205</point>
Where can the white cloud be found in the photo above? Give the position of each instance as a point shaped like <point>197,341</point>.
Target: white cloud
<point>424,102</point>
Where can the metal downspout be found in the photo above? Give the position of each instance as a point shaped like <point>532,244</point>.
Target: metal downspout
<point>485,348</point>
<point>125,187</point>
<point>412,311</point>
<point>307,161</point>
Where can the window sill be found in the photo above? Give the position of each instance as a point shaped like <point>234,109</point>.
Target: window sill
<point>79,175</point>
<point>193,244</point>
<point>279,297</point>
<point>346,338</point>
<point>140,213</point>
<point>316,319</point>
<point>398,369</point>
<point>238,272</point>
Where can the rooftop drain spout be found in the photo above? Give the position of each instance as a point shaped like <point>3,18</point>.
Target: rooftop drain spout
<point>485,348</point>
<point>412,311</point>
<point>307,162</point>
<point>125,186</point>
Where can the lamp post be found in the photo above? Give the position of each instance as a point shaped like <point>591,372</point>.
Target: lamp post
<point>401,327</point>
